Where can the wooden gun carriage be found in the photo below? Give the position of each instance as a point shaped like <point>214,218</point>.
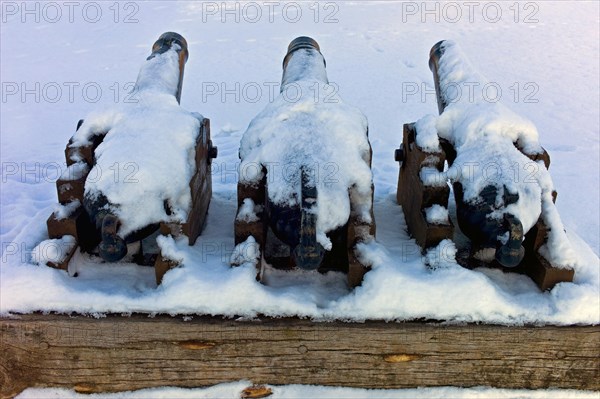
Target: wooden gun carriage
<point>96,231</point>
<point>521,251</point>
<point>287,235</point>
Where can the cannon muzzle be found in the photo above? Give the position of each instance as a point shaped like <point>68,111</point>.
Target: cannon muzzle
<point>166,41</point>
<point>309,66</point>
<point>300,43</point>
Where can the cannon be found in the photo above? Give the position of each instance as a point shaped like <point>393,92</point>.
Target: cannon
<point>504,220</point>
<point>130,171</point>
<point>305,192</point>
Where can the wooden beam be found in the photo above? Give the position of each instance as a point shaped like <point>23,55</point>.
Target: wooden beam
<point>128,353</point>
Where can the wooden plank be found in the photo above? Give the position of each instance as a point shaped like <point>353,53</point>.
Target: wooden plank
<point>70,190</point>
<point>83,153</point>
<point>78,225</point>
<point>200,185</point>
<point>64,264</point>
<point>162,266</point>
<point>126,353</point>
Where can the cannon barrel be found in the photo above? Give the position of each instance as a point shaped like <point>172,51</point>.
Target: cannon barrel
<point>163,44</point>
<point>473,218</point>
<point>113,247</point>
<point>434,62</point>
<point>297,227</point>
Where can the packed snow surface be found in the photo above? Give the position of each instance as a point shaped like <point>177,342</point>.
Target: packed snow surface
<point>378,57</point>
<point>234,390</point>
<point>75,171</point>
<point>427,139</point>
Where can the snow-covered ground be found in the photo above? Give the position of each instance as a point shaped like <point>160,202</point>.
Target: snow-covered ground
<point>233,390</point>
<point>542,56</point>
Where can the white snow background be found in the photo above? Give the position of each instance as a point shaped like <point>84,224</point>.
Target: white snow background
<point>377,54</point>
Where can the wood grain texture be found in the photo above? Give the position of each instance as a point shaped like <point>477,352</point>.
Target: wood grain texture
<point>125,353</point>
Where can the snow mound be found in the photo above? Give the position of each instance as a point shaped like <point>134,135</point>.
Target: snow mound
<point>436,214</point>
<point>427,139</point>
<point>53,250</point>
<point>246,252</point>
<point>248,211</point>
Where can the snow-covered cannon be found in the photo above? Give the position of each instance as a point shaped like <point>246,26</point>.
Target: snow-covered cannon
<point>305,188</point>
<point>503,192</point>
<point>138,168</point>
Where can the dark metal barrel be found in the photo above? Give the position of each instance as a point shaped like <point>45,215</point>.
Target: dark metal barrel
<point>483,231</point>
<point>304,69</point>
<point>308,254</point>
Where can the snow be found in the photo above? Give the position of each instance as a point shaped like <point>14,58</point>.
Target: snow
<point>147,156</point>
<point>246,252</point>
<point>75,171</point>
<point>64,211</point>
<point>374,58</point>
<point>168,248</point>
<point>427,139</point>
<point>431,177</point>
<point>234,389</point>
<point>436,214</point>
<point>248,211</point>
<point>441,256</point>
<point>53,250</point>
<point>308,127</point>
